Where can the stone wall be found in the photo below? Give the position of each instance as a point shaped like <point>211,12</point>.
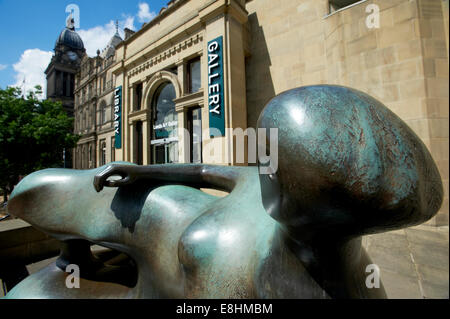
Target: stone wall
<point>403,63</point>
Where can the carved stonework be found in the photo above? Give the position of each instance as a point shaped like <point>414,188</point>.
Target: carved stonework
<point>166,54</point>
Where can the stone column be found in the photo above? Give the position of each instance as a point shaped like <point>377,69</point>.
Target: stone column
<point>227,21</point>
<point>183,137</point>
<point>181,69</point>
<point>131,139</point>
<point>145,142</point>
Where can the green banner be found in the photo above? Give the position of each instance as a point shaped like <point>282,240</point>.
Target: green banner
<point>216,88</point>
<point>118,117</point>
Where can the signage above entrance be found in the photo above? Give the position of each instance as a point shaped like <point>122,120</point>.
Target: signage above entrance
<point>216,101</point>
<point>118,117</point>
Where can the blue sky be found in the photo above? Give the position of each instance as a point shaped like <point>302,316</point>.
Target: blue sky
<point>29,30</point>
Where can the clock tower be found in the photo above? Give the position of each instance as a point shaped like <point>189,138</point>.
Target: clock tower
<point>69,50</point>
<point>60,73</point>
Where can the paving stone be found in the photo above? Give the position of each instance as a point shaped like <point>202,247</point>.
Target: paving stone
<point>421,236</point>
<point>398,286</point>
<point>398,232</point>
<point>393,259</point>
<point>430,254</point>
<point>391,240</point>
<point>435,291</point>
<point>432,275</point>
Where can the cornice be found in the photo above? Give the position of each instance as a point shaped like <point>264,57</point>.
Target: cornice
<point>189,100</point>
<point>177,48</point>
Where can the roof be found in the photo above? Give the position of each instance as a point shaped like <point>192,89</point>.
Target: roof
<point>71,39</point>
<point>110,48</point>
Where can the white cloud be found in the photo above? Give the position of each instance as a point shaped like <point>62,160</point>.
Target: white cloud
<point>144,13</point>
<point>33,62</point>
<point>98,37</point>
<point>30,69</point>
<point>3,66</point>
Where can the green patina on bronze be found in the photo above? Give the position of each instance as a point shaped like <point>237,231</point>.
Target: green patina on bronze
<point>347,166</point>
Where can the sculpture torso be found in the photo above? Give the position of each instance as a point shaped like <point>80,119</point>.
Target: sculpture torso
<point>186,243</point>
<point>347,167</point>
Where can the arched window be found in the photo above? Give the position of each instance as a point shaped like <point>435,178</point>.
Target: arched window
<point>165,121</point>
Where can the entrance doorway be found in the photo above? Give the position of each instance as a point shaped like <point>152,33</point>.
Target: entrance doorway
<point>165,153</point>
<point>164,138</point>
<point>138,147</point>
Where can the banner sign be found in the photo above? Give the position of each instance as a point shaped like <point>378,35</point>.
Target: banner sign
<point>216,102</point>
<point>118,117</point>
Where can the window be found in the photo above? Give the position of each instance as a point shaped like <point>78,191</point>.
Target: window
<point>84,119</point>
<point>139,147</point>
<point>113,150</point>
<point>340,4</point>
<point>80,120</point>
<point>104,82</point>
<point>137,97</point>
<point>194,125</point>
<point>58,84</point>
<point>90,92</point>
<point>71,85</point>
<point>91,117</point>
<point>103,118</point>
<point>194,76</point>
<point>78,160</point>
<point>102,152</point>
<point>90,156</point>
<point>83,157</point>
<point>64,84</point>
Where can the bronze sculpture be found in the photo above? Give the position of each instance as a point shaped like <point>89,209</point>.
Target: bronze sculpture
<point>347,167</point>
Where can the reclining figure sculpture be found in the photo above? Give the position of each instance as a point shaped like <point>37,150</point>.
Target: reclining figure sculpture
<point>347,167</point>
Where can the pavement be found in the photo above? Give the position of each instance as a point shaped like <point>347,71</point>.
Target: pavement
<point>413,262</point>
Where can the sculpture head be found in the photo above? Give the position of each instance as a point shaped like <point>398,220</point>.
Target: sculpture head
<point>346,164</point>
<point>60,202</point>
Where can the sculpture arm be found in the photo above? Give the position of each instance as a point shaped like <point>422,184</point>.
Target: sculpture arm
<point>220,177</point>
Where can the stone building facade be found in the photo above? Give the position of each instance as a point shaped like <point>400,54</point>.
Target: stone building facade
<point>168,75</point>
<point>60,74</point>
<point>93,109</point>
<point>403,62</point>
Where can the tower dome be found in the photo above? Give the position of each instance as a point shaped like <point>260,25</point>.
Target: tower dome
<point>69,37</point>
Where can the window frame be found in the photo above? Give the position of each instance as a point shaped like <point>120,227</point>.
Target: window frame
<point>102,151</point>
<point>334,8</point>
<point>190,128</point>
<point>189,64</point>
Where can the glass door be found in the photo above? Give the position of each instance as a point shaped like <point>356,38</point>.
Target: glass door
<point>165,153</point>
<point>194,125</point>
<point>164,142</point>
